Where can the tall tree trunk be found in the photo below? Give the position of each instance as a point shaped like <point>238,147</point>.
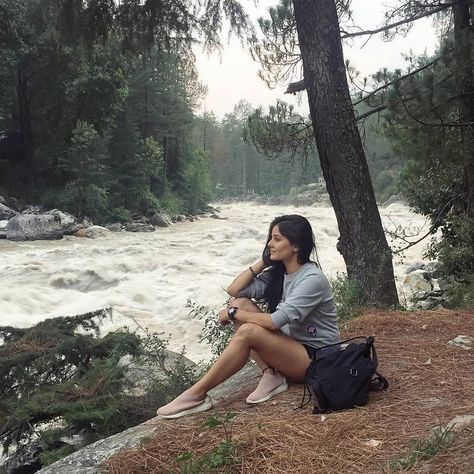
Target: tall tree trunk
<point>26,129</point>
<point>362,241</point>
<point>463,37</point>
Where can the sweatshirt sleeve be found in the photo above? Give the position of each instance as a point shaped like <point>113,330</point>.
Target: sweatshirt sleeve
<point>256,288</point>
<point>302,299</point>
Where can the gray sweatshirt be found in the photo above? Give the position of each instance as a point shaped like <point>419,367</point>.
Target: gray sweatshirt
<point>306,312</point>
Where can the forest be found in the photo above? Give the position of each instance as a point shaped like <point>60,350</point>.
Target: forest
<point>100,127</point>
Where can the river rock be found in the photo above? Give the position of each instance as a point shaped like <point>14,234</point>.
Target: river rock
<point>115,227</point>
<point>160,220</point>
<point>417,281</point>
<point>92,232</point>
<point>142,374</point>
<point>34,210</point>
<point>34,227</point>
<point>415,266</point>
<point>139,227</point>
<point>68,222</point>
<point>3,229</point>
<point>430,303</point>
<point>5,212</point>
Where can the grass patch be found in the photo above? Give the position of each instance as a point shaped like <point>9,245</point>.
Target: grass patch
<point>423,449</point>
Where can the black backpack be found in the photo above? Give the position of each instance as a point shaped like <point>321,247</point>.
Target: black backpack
<point>341,375</point>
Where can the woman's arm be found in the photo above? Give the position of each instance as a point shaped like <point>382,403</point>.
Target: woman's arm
<point>262,319</point>
<point>245,278</point>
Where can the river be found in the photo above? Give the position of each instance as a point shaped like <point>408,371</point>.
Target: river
<point>147,278</point>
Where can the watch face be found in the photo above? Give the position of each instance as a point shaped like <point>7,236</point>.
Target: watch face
<point>231,313</point>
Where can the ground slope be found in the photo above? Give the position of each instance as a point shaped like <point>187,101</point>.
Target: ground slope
<point>431,382</point>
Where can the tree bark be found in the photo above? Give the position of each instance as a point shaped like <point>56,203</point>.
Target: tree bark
<point>362,241</point>
<point>25,126</point>
<point>463,37</point>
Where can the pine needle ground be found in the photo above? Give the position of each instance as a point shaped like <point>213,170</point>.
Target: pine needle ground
<point>431,382</point>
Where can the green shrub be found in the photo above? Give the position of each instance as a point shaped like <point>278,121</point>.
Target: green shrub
<point>120,214</point>
<point>212,333</point>
<point>171,203</point>
<point>455,255</point>
<point>346,297</point>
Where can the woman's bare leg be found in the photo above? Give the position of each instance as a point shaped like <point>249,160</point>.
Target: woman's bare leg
<point>248,305</point>
<point>286,355</point>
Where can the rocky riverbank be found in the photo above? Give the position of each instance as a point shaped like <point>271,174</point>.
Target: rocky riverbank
<point>20,223</point>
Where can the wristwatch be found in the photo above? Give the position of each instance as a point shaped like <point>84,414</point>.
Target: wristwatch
<point>231,312</point>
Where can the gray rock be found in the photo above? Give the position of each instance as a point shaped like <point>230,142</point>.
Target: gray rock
<point>115,227</point>
<point>415,266</point>
<point>34,210</point>
<point>92,232</point>
<point>34,227</point>
<point>432,268</point>
<point>430,303</point>
<point>68,222</point>
<point>462,341</point>
<point>421,295</point>
<point>460,421</point>
<point>160,220</point>
<point>139,227</point>
<point>6,213</point>
<point>3,229</point>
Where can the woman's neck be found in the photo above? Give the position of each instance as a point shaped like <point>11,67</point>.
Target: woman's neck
<point>292,266</point>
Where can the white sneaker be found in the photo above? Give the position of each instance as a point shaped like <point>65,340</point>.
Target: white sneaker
<point>270,384</point>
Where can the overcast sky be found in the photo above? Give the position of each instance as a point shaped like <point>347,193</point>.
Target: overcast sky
<point>233,75</point>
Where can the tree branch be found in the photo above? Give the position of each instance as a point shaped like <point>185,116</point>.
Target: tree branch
<point>398,23</point>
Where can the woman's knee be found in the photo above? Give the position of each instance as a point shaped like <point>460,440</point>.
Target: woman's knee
<point>249,331</point>
<point>244,303</point>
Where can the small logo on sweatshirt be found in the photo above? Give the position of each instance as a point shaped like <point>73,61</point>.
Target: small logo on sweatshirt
<point>312,331</point>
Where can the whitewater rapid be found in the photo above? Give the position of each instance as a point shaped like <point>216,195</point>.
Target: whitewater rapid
<point>147,278</point>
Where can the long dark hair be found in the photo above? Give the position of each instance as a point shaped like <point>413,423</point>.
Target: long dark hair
<point>298,231</point>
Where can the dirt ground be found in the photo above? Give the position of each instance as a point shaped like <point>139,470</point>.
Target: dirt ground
<point>431,382</point>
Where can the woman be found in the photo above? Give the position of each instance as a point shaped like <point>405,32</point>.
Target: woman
<point>301,317</point>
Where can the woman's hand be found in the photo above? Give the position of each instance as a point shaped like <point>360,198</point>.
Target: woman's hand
<point>223,317</point>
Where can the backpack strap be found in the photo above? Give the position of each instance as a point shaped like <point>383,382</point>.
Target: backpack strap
<point>303,402</point>
<point>369,340</point>
<point>379,382</point>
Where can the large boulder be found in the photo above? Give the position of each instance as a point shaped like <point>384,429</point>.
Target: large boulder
<point>5,212</point>
<point>34,227</point>
<point>160,220</point>
<point>68,222</point>
<point>420,290</point>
